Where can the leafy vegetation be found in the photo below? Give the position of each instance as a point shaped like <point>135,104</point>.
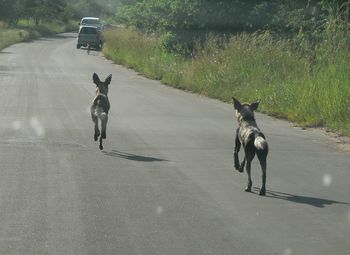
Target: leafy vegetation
<point>296,63</point>
<point>48,11</point>
<point>23,20</point>
<point>250,66</point>
<point>27,31</point>
<point>222,15</point>
<point>9,36</point>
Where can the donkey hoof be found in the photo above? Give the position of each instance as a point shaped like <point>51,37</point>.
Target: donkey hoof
<point>101,147</point>
<point>262,192</point>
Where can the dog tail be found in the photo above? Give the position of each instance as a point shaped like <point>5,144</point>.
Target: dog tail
<point>100,112</point>
<point>100,107</point>
<point>260,143</point>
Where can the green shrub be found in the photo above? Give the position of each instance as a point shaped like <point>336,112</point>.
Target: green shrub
<point>306,83</point>
<point>26,30</point>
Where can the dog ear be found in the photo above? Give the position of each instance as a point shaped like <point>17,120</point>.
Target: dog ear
<point>237,105</point>
<point>108,79</point>
<point>96,79</point>
<point>255,105</point>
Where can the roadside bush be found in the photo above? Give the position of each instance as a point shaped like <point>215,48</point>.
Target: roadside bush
<point>27,30</point>
<point>308,83</point>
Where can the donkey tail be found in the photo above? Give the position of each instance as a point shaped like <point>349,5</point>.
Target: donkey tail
<point>260,143</point>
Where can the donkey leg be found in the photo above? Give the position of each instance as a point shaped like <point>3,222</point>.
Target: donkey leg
<point>262,159</point>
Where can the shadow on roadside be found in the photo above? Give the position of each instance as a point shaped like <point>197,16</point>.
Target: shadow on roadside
<point>130,156</point>
<point>314,201</point>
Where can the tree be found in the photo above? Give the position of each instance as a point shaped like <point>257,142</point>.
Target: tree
<point>9,10</point>
<point>155,15</point>
<point>220,15</point>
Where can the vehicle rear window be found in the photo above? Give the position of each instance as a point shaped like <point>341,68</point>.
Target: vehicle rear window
<point>88,30</point>
<point>90,22</point>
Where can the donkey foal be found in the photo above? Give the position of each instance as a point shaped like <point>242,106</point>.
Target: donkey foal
<point>100,107</point>
<point>253,140</point>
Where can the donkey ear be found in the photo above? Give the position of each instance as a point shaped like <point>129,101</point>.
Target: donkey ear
<point>237,105</point>
<point>255,105</point>
<point>96,79</point>
<point>108,79</point>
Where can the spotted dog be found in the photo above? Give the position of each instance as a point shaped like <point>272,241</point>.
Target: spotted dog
<point>100,107</point>
<point>253,141</point>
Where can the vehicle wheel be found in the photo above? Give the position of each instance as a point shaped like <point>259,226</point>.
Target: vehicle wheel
<point>78,46</point>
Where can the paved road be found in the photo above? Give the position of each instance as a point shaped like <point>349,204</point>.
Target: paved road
<point>164,183</point>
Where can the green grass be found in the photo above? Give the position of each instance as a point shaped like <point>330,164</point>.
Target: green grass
<point>26,30</point>
<point>140,52</point>
<point>307,85</point>
<point>10,36</point>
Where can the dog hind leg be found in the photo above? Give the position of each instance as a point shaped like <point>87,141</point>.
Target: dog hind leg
<point>101,145</point>
<point>249,155</point>
<point>95,120</point>
<point>242,165</point>
<point>97,131</point>
<point>262,154</point>
<point>104,120</point>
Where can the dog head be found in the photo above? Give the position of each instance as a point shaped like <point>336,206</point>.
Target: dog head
<point>102,86</point>
<point>245,112</point>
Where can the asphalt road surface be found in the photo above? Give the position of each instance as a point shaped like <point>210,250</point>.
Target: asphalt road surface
<point>164,183</point>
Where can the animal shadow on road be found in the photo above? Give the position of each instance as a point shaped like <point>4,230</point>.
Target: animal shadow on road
<point>133,157</point>
<point>313,201</point>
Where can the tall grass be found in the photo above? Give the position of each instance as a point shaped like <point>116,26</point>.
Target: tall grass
<point>10,36</point>
<point>142,53</point>
<point>308,84</point>
<point>27,30</point>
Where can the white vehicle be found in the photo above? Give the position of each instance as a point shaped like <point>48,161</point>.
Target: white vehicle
<point>90,36</point>
<point>90,21</point>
